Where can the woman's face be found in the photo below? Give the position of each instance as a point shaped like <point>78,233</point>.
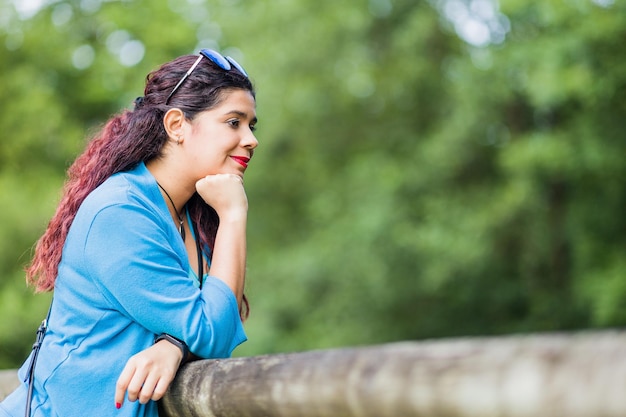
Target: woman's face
<point>221,140</point>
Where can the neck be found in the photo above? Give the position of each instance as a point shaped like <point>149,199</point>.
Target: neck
<point>174,189</point>
<point>178,189</point>
<point>181,227</point>
<point>178,214</point>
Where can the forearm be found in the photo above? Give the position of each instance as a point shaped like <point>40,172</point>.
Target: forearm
<point>229,254</point>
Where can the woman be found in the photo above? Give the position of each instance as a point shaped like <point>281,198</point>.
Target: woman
<point>154,203</point>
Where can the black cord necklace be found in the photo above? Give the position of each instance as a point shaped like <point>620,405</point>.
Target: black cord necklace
<point>181,229</point>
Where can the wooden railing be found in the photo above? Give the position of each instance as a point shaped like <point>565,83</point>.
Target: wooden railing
<point>545,375</point>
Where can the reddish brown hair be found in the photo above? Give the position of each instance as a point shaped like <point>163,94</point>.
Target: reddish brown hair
<point>129,138</point>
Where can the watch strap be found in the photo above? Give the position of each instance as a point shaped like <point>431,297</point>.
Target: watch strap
<point>176,342</point>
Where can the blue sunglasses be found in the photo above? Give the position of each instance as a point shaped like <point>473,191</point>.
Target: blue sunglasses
<point>225,63</point>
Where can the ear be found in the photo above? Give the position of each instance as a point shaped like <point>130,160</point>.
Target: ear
<point>173,123</point>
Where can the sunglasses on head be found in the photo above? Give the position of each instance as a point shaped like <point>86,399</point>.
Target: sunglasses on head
<point>225,63</point>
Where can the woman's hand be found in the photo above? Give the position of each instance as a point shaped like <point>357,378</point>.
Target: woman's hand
<point>225,193</point>
<point>148,374</point>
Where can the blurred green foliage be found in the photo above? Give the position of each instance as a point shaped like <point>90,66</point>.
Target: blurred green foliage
<point>426,169</point>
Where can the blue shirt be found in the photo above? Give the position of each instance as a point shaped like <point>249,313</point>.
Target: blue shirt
<point>123,278</point>
<point>193,274</point>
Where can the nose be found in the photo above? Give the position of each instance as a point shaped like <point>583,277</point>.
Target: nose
<point>249,140</point>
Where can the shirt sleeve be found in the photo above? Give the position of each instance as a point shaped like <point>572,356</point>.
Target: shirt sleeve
<point>141,267</point>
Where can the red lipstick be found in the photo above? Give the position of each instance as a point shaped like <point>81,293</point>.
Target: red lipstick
<point>241,160</point>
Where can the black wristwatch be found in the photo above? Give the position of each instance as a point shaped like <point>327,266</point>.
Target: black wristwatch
<point>178,343</point>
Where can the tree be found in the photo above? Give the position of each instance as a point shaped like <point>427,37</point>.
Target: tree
<point>413,178</point>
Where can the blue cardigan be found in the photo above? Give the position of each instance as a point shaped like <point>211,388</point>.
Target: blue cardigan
<point>123,278</point>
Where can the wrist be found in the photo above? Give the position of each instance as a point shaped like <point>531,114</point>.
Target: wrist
<point>233,216</point>
<point>176,342</point>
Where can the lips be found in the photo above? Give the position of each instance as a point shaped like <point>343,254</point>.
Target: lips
<point>241,160</point>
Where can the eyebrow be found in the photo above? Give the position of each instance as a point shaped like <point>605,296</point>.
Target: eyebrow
<point>242,114</point>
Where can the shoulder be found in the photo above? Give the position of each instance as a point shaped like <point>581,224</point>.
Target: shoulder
<point>136,187</point>
<point>126,200</point>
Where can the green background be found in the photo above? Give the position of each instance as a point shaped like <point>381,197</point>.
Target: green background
<point>426,169</point>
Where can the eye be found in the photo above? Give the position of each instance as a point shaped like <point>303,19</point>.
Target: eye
<point>234,123</point>
<point>253,128</point>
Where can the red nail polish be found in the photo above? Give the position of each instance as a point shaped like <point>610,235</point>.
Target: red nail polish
<point>118,405</point>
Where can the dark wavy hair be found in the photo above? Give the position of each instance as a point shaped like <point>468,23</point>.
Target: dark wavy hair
<point>131,137</point>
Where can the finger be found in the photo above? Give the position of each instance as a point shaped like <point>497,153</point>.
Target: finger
<point>147,388</point>
<point>161,388</point>
<point>122,383</point>
<point>134,387</point>
<point>218,177</point>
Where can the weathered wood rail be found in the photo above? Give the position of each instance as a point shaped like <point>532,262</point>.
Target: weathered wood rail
<point>545,375</point>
